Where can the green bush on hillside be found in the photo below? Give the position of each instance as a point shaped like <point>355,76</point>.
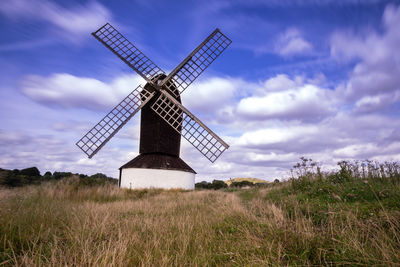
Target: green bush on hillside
<point>242,184</point>
<point>215,185</point>
<point>31,172</point>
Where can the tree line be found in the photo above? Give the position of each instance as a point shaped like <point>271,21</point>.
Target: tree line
<point>28,176</point>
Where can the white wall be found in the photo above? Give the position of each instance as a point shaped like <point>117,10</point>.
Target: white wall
<point>146,178</point>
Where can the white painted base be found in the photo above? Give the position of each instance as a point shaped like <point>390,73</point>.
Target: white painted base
<point>135,178</point>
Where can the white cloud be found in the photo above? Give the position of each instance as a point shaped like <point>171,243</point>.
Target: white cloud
<point>73,125</point>
<point>211,94</point>
<point>12,138</point>
<point>291,42</point>
<point>376,102</point>
<point>375,80</point>
<point>77,21</point>
<point>355,151</point>
<point>67,91</point>
<point>279,82</point>
<point>368,151</point>
<point>294,100</point>
<point>265,137</point>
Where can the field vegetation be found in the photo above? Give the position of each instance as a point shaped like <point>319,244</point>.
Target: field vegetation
<point>346,217</point>
<point>30,176</point>
<point>252,180</point>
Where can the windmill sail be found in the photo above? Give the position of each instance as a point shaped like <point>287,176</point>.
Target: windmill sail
<point>166,106</point>
<point>126,51</point>
<point>190,127</point>
<point>193,65</point>
<point>103,131</point>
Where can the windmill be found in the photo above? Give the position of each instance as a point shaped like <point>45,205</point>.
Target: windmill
<point>163,118</point>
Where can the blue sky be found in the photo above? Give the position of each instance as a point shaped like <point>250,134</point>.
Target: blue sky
<point>319,79</point>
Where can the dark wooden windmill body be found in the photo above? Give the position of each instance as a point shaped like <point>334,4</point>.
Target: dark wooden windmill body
<point>159,143</point>
<point>163,117</point>
<point>156,135</point>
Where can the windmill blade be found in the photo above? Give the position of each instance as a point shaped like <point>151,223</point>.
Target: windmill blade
<point>190,127</point>
<point>126,51</point>
<point>192,66</point>
<point>103,131</point>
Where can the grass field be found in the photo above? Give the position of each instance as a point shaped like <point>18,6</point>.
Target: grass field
<point>330,219</point>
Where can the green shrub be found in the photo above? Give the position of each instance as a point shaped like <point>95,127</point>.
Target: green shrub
<point>9,179</point>
<point>99,175</point>
<point>15,178</point>
<point>216,184</point>
<point>60,175</point>
<point>30,172</point>
<point>242,184</point>
<point>202,185</point>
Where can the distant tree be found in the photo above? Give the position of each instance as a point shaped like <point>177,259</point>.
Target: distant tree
<point>242,184</point>
<point>8,179</point>
<point>218,184</point>
<point>99,175</point>
<point>13,178</point>
<point>60,175</point>
<point>12,181</point>
<point>202,185</point>
<point>276,181</point>
<point>95,179</point>
<point>215,184</point>
<point>30,172</point>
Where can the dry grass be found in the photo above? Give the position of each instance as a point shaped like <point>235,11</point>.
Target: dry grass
<point>63,224</point>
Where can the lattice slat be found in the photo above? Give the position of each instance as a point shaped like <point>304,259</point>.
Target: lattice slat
<point>191,128</point>
<point>102,132</point>
<point>126,51</point>
<point>198,60</point>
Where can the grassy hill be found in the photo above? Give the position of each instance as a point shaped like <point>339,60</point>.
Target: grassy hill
<point>252,180</point>
<point>348,217</point>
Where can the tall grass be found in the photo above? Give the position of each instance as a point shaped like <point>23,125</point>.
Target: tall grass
<point>311,220</point>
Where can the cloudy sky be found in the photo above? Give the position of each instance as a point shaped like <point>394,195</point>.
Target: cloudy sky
<point>316,78</point>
